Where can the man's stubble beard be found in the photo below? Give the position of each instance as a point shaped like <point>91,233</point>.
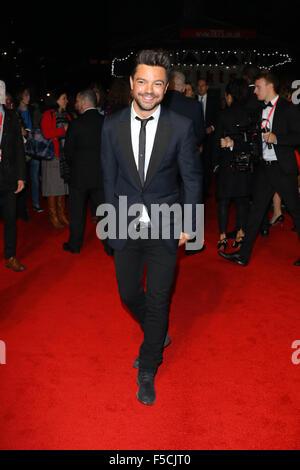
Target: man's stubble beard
<point>143,108</point>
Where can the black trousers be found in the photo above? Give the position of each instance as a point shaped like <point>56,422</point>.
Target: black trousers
<point>78,199</point>
<point>268,179</point>
<point>8,209</point>
<point>242,208</point>
<point>150,307</point>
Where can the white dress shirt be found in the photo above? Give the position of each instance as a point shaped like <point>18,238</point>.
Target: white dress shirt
<point>203,99</point>
<point>268,154</point>
<point>150,136</point>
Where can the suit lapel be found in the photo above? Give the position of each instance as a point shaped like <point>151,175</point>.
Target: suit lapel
<point>5,126</point>
<point>161,142</point>
<point>124,135</point>
<point>276,117</point>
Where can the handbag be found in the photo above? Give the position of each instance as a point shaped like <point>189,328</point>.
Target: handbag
<point>38,147</point>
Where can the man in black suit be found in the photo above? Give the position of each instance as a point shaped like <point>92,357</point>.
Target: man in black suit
<point>254,107</point>
<point>277,170</point>
<point>83,156</point>
<point>211,109</point>
<point>146,151</point>
<point>12,178</point>
<point>177,102</point>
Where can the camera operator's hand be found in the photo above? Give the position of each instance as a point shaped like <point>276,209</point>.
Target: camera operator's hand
<point>270,138</point>
<point>227,142</point>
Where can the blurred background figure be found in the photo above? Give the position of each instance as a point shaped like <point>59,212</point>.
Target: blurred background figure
<point>26,112</point>
<point>189,91</point>
<point>211,108</point>
<point>233,182</point>
<point>118,96</point>
<point>54,125</point>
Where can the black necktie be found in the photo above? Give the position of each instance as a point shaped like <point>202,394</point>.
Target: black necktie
<point>142,147</point>
<point>268,104</point>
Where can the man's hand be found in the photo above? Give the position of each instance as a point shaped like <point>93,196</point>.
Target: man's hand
<point>21,185</point>
<point>226,142</point>
<point>270,138</point>
<point>209,130</point>
<point>184,237</point>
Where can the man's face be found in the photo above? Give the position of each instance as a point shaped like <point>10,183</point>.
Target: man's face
<point>78,103</point>
<point>263,89</point>
<point>148,86</point>
<point>202,87</point>
<point>26,97</point>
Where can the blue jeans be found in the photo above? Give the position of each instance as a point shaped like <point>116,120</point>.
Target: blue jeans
<point>34,176</point>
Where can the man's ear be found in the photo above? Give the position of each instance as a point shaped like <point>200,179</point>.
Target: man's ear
<point>166,88</point>
<point>131,82</point>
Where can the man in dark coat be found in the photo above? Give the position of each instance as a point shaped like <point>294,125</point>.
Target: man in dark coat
<point>211,110</point>
<point>12,178</point>
<point>177,102</point>
<point>278,167</point>
<point>83,156</point>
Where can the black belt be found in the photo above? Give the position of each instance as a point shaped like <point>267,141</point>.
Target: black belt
<point>142,225</point>
<point>270,162</point>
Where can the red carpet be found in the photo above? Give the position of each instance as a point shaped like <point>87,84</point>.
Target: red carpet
<point>227,382</point>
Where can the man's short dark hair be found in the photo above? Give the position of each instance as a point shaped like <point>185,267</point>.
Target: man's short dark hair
<point>89,95</point>
<point>270,77</point>
<point>153,57</point>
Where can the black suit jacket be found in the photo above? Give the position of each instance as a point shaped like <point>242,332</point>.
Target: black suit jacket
<point>174,158</point>
<point>83,150</point>
<point>12,166</point>
<point>211,111</point>
<point>286,127</point>
<point>187,107</point>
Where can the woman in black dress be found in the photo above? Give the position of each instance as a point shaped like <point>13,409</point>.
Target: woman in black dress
<point>233,182</point>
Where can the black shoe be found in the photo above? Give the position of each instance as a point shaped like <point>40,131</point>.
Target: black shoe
<point>297,263</point>
<point>37,209</point>
<point>235,257</point>
<point>67,247</point>
<point>166,344</point>
<point>146,393</point>
<point>24,217</point>
<point>280,218</point>
<point>265,232</point>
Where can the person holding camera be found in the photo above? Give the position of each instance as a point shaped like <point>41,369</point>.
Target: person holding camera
<point>277,170</point>
<point>232,161</point>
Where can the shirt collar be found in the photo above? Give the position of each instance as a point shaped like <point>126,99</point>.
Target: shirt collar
<point>155,115</point>
<point>273,100</point>
<point>88,109</point>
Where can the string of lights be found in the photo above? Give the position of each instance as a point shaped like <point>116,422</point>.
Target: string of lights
<point>227,59</point>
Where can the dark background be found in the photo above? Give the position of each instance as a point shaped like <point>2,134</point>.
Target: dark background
<point>64,45</point>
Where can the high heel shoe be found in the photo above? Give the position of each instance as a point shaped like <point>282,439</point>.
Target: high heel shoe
<point>238,243</point>
<point>222,244</point>
<point>280,218</point>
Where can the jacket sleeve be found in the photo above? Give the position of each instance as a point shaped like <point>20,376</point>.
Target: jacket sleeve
<point>69,143</point>
<point>219,131</point>
<point>48,125</point>
<point>109,163</point>
<point>292,139</point>
<point>200,124</point>
<point>19,150</point>
<point>191,171</point>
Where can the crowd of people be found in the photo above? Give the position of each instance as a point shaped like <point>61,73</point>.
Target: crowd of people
<point>155,138</point>
<point>213,118</point>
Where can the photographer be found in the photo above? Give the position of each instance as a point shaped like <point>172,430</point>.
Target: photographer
<point>233,160</point>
